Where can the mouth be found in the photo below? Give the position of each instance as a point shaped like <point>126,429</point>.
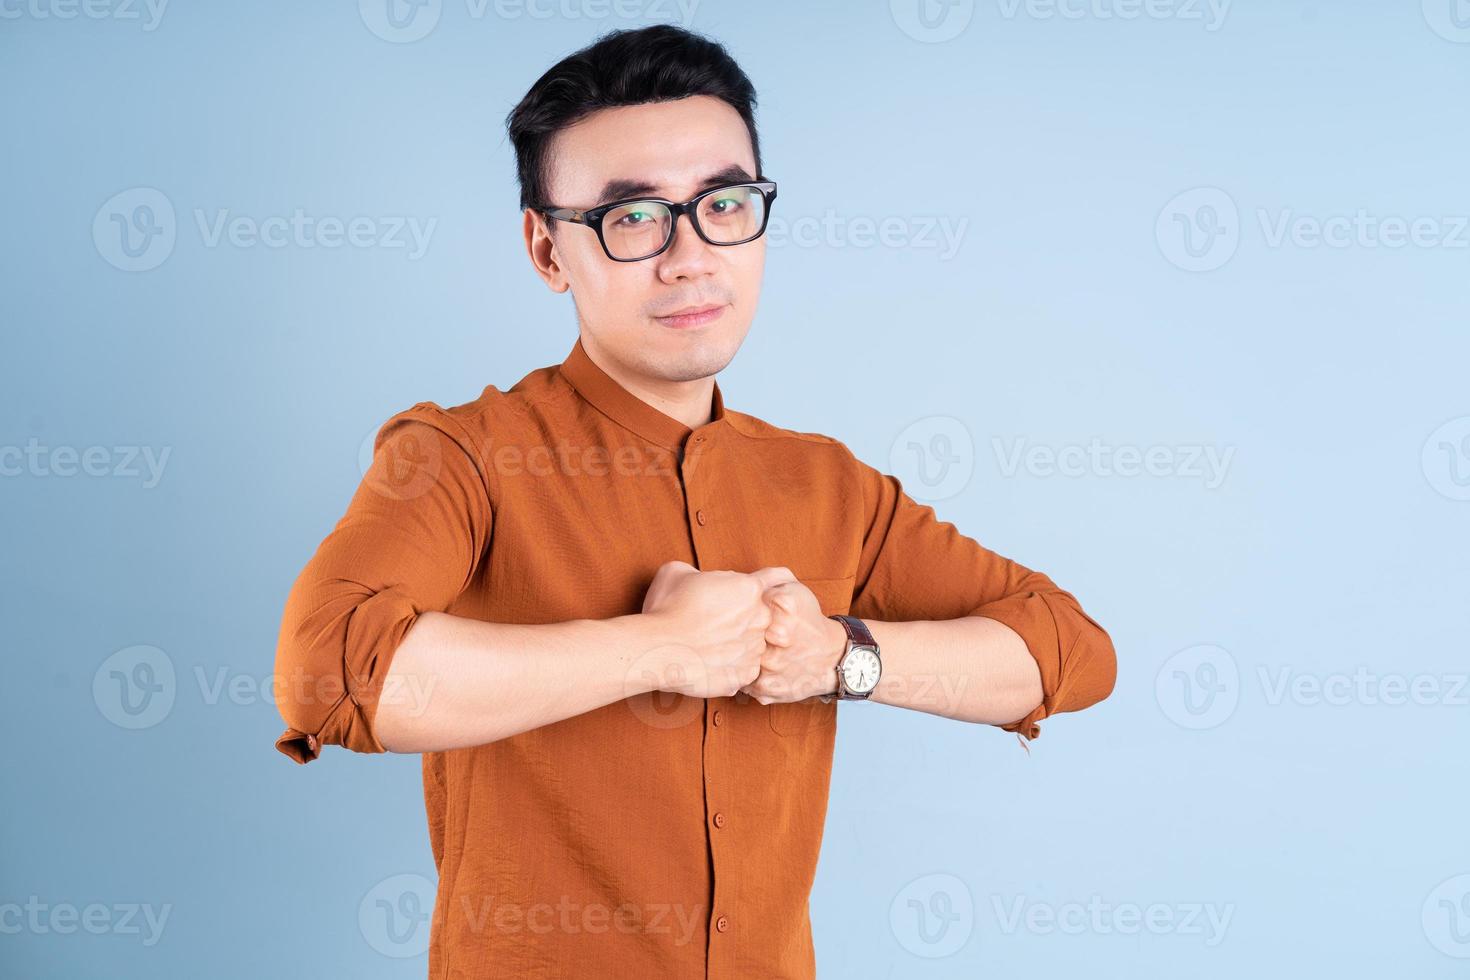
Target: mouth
<point>695,316</point>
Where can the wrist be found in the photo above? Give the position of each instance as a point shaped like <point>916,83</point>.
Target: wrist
<point>836,646</point>
<point>649,647</point>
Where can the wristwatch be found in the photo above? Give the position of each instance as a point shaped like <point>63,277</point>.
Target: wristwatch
<point>861,666</point>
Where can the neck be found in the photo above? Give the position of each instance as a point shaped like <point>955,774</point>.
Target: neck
<point>691,402</point>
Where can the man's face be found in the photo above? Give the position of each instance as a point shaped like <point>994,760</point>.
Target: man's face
<point>671,150</point>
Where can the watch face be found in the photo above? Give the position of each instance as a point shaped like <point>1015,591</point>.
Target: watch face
<point>860,669</point>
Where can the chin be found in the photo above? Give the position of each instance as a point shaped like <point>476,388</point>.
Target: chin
<point>696,357</point>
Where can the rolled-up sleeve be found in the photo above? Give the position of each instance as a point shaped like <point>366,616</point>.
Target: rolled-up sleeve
<point>915,567</point>
<point>410,540</point>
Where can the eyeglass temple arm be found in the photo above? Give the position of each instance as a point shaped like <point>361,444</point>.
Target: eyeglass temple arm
<point>565,214</point>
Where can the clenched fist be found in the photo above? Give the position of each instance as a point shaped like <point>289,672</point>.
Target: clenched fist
<point>719,619</point>
<point>802,647</point>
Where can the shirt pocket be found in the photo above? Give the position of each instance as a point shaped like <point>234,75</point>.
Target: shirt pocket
<point>834,596</point>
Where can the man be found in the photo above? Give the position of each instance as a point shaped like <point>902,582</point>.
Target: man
<point>601,604</point>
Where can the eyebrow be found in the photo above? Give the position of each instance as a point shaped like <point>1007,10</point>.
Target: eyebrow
<point>621,188</point>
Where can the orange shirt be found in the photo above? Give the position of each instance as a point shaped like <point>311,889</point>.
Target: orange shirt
<point>657,836</point>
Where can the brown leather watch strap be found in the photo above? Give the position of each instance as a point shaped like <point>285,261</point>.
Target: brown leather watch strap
<point>857,630</point>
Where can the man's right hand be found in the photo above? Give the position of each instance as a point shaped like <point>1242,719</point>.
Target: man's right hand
<point>716,621</point>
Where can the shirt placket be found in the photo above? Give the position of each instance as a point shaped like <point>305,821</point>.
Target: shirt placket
<point>702,514</point>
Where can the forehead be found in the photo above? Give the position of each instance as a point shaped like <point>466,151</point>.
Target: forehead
<point>670,147</point>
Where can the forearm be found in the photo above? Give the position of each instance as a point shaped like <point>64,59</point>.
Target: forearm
<point>456,682</point>
<point>971,669</point>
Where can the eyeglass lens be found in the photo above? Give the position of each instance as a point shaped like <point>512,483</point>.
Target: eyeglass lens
<point>640,228</point>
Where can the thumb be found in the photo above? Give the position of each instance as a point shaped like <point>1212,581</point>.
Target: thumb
<point>780,596</point>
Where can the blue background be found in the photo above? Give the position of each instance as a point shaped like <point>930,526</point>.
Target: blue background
<point>1075,151</point>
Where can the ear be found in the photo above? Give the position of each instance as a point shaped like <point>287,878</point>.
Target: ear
<point>542,251</point>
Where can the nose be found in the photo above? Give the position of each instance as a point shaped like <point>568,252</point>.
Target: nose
<point>688,256</point>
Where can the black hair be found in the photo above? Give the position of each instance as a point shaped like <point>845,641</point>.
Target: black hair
<point>621,68</point>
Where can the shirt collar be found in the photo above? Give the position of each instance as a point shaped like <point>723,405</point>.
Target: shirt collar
<point>625,408</point>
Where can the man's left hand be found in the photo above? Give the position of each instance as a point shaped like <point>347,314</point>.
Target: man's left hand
<point>802,648</point>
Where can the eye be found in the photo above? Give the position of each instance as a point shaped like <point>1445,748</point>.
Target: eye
<point>726,205</point>
<point>634,218</point>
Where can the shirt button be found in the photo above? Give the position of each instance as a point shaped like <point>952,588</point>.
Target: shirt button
<point>723,923</point>
<point>718,717</point>
<point>719,820</point>
<point>699,516</point>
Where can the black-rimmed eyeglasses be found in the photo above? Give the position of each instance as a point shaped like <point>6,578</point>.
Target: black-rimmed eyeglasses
<point>638,229</point>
